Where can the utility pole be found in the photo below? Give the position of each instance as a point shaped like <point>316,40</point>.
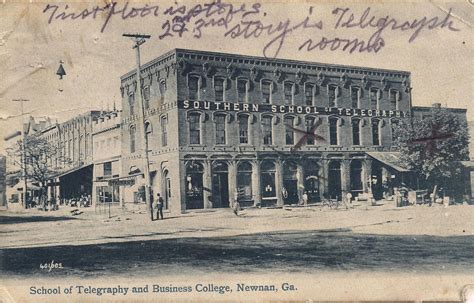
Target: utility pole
<point>23,152</point>
<point>139,39</point>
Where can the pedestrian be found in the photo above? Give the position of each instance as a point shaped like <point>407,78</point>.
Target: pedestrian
<point>348,199</point>
<point>159,207</point>
<point>236,208</point>
<point>305,198</point>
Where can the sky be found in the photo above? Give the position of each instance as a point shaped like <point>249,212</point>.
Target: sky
<point>440,60</point>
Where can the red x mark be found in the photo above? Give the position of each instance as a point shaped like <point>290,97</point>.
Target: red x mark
<point>430,141</point>
<point>307,134</point>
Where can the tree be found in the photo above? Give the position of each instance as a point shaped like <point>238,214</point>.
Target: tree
<point>42,163</point>
<point>434,146</point>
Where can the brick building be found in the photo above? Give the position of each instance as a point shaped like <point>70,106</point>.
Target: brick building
<point>106,151</point>
<point>222,127</point>
<point>73,162</point>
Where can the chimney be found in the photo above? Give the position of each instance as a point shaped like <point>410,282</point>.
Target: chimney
<point>436,105</point>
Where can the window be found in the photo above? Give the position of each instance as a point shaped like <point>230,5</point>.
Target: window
<point>193,86</point>
<point>355,97</point>
<point>355,131</point>
<point>288,92</point>
<point>266,91</point>
<point>267,130</point>
<point>148,131</point>
<point>108,169</point>
<point>289,133</point>
<point>146,97</point>
<point>244,181</point>
<point>162,87</point>
<point>219,89</point>
<point>241,90</point>
<point>333,131</point>
<point>131,103</point>
<point>220,129</point>
<point>194,128</point>
<point>332,91</point>
<point>374,98</point>
<point>309,94</point>
<point>244,129</point>
<point>309,123</point>
<point>133,132</point>
<point>375,132</point>
<point>164,131</point>
<point>394,125</point>
<point>394,95</point>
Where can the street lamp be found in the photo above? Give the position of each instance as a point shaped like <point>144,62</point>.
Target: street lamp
<point>139,39</point>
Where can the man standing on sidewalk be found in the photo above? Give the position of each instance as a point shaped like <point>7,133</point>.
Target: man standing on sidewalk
<point>159,207</point>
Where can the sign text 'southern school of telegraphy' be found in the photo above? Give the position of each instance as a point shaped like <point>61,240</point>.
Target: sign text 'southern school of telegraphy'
<point>293,109</point>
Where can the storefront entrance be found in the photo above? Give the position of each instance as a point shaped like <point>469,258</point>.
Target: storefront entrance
<point>267,182</point>
<point>376,180</point>
<point>194,185</point>
<point>220,185</point>
<point>290,183</point>
<point>244,184</point>
<point>311,180</point>
<point>334,180</point>
<point>356,177</point>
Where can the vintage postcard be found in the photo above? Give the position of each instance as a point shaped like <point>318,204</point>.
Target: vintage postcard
<point>236,151</point>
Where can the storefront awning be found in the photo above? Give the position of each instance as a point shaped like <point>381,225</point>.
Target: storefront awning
<point>392,159</point>
<point>72,170</point>
<point>468,164</point>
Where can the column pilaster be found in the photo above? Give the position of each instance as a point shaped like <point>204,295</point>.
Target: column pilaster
<point>256,190</point>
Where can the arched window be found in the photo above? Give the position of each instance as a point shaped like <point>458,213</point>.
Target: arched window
<point>289,132</point>
<point>146,97</point>
<point>332,95</point>
<point>266,88</point>
<point>374,98</point>
<point>133,133</point>
<point>288,92</point>
<point>309,123</point>
<point>162,87</point>
<point>193,87</point>
<point>394,97</point>
<point>164,131</point>
<point>267,179</point>
<point>376,131</point>
<point>393,127</point>
<point>131,103</point>
<point>356,131</point>
<point>333,136</point>
<point>244,181</point>
<point>220,129</point>
<point>267,131</point>
<point>219,88</point>
<point>355,96</point>
<point>243,129</point>
<point>194,128</point>
<point>309,94</point>
<point>356,175</point>
<point>242,90</point>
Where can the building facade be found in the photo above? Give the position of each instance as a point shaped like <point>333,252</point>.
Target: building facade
<point>106,154</point>
<point>223,127</point>
<point>73,159</point>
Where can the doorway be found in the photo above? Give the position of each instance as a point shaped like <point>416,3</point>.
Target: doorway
<point>220,185</point>
<point>334,180</point>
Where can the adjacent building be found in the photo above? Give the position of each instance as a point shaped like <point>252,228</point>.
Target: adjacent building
<point>221,128</point>
<point>106,154</point>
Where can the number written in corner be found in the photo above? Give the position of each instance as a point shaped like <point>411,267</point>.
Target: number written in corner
<point>51,266</point>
